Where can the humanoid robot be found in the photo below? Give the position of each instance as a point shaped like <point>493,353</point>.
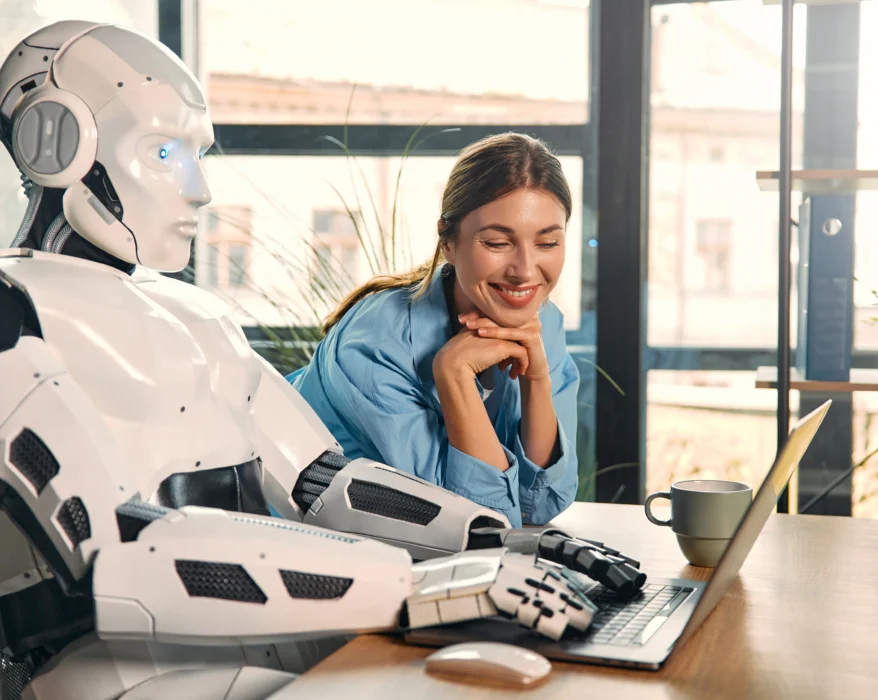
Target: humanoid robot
<point>142,440</point>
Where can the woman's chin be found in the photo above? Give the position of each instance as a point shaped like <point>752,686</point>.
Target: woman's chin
<point>511,318</point>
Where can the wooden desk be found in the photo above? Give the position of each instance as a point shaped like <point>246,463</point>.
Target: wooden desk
<point>800,621</point>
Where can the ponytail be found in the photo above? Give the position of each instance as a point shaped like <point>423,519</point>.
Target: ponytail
<point>418,277</point>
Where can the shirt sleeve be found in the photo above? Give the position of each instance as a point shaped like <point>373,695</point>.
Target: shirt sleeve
<point>546,492</point>
<point>387,402</point>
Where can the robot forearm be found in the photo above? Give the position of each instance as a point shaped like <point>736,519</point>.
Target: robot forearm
<point>209,577</point>
<point>373,500</point>
<point>307,478</point>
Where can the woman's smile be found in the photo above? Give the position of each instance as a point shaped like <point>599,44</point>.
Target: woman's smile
<point>518,297</point>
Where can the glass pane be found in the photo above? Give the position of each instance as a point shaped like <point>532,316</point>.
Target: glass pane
<point>18,18</point>
<point>865,479</point>
<point>447,61</point>
<point>712,277</point>
<point>715,123</point>
<point>708,425</point>
<point>866,242</point>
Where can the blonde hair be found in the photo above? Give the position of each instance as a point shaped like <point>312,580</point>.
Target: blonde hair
<point>485,170</point>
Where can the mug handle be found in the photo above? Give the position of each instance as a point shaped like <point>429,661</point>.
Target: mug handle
<point>649,515</point>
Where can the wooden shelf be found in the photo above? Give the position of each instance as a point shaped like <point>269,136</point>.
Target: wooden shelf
<point>861,380</point>
<point>822,181</point>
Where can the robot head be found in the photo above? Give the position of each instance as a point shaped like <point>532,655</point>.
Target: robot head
<point>120,124</point>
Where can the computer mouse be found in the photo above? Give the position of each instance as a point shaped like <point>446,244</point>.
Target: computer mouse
<point>490,660</point>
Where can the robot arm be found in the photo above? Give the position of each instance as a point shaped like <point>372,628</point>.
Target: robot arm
<point>307,478</point>
<point>55,482</point>
<point>209,577</point>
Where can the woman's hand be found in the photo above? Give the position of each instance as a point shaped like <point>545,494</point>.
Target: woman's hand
<point>481,344</point>
<point>469,353</point>
<point>529,336</point>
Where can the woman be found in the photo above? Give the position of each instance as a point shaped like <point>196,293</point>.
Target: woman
<point>458,372</point>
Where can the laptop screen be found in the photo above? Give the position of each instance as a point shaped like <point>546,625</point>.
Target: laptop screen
<point>755,518</point>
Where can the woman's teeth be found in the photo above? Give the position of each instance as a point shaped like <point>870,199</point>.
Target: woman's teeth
<point>516,297</point>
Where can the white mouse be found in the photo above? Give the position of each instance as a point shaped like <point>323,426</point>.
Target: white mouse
<point>491,660</point>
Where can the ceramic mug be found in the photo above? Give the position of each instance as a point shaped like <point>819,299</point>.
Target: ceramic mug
<point>704,516</point>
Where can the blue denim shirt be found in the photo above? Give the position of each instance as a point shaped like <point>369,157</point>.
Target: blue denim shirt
<point>371,382</point>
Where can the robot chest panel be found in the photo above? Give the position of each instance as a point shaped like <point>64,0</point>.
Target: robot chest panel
<point>175,383</point>
<point>141,363</point>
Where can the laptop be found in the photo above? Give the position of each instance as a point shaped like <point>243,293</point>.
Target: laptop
<point>643,632</point>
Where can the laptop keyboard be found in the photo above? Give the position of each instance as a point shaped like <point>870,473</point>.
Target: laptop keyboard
<point>621,623</point>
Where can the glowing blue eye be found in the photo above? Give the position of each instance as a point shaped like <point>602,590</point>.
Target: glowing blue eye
<point>163,153</point>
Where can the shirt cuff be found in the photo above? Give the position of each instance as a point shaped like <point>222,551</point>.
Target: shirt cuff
<point>534,477</point>
<point>481,482</point>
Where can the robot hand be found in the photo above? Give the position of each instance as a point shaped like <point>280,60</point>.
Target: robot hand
<point>493,582</point>
<point>594,559</point>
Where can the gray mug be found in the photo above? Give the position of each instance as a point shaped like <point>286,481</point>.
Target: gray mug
<point>704,515</point>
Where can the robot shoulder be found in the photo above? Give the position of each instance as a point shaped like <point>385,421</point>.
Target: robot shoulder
<point>57,286</point>
<point>189,303</point>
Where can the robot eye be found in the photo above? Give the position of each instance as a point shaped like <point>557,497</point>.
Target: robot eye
<point>163,153</point>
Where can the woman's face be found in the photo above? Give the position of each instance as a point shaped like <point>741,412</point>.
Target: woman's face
<point>508,256</point>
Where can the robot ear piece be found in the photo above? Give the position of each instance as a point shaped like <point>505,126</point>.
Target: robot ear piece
<point>54,136</point>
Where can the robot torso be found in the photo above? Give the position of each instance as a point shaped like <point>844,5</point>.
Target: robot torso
<point>174,379</point>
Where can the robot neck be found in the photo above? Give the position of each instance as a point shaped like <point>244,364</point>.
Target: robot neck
<point>50,232</point>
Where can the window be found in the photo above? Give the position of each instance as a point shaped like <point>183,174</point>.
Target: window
<point>713,245</point>
<point>228,231</point>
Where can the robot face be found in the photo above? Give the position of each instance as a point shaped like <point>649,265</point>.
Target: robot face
<point>150,147</point>
<point>140,199</point>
